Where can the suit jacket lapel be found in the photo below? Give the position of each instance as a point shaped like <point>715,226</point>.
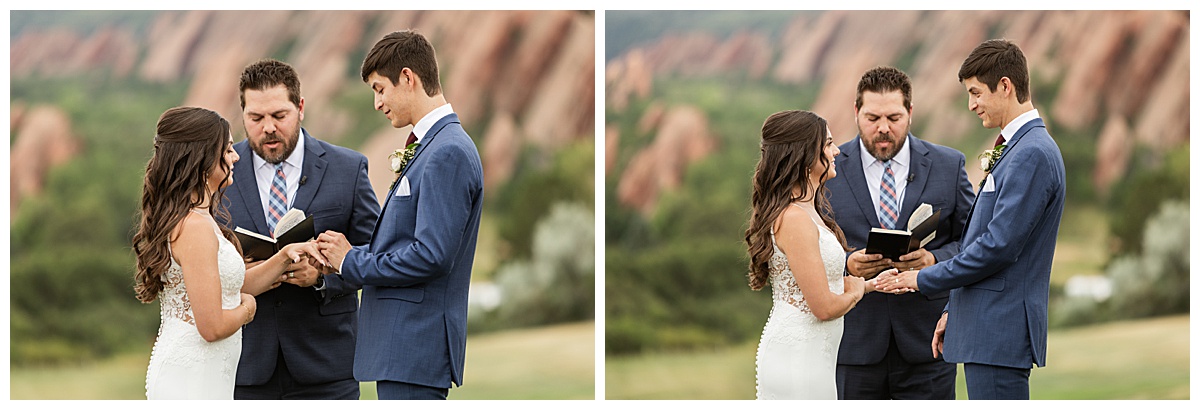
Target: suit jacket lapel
<point>247,188</point>
<point>919,168</point>
<point>857,180</point>
<point>313,169</point>
<point>426,141</point>
<point>1008,146</point>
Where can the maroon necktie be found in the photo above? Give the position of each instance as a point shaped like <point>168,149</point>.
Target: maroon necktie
<point>999,140</point>
<point>411,139</point>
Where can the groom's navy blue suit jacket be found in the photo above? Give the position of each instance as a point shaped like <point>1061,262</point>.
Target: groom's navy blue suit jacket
<point>1001,278</point>
<point>313,329</point>
<point>417,268</point>
<point>938,179</point>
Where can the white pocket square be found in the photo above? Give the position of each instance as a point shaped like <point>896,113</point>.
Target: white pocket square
<point>989,184</point>
<point>402,189</point>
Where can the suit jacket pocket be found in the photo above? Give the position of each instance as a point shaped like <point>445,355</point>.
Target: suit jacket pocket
<point>340,305</point>
<point>993,283</point>
<point>415,295</point>
<point>940,295</point>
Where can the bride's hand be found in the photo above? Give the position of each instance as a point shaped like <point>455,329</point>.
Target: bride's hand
<point>309,249</point>
<point>854,285</point>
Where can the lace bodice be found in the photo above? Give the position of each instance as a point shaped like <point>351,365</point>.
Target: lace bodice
<point>182,363</point>
<point>173,299</point>
<point>783,282</point>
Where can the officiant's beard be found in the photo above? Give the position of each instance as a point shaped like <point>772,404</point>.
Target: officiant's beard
<point>897,142</point>
<point>288,145</point>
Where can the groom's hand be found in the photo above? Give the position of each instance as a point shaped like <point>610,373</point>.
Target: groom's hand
<point>334,246</point>
<point>939,335</point>
<point>865,265</point>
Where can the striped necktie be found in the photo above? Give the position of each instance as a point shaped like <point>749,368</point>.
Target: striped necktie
<point>278,200</point>
<point>887,198</point>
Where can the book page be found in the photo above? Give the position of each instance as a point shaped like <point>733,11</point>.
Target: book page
<point>246,232</point>
<point>922,213</point>
<point>289,221</point>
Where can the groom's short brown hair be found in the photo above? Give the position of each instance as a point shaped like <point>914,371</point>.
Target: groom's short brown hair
<point>994,59</point>
<point>401,49</point>
<point>268,73</point>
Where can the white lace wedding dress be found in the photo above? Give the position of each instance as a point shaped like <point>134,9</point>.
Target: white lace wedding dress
<point>797,355</point>
<point>182,364</point>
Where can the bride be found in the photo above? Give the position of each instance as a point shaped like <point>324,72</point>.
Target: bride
<point>192,264</point>
<point>794,241</point>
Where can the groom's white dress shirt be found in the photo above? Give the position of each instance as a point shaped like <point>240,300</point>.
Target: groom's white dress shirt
<point>422,127</point>
<point>1016,124</point>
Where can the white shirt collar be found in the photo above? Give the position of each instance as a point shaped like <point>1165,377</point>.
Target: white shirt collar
<point>1017,123</point>
<point>295,160</point>
<point>902,157</point>
<point>422,127</point>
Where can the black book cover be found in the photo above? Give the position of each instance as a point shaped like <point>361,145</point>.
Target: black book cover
<point>895,243</point>
<point>259,247</point>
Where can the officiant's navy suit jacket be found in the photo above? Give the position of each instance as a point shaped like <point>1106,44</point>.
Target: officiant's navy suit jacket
<point>1001,278</point>
<point>313,329</point>
<point>938,179</point>
<point>417,268</point>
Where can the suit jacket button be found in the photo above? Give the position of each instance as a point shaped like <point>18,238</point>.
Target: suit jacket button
<point>278,303</point>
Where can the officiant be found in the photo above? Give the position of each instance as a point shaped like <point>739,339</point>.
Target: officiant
<point>302,345</point>
<point>884,174</point>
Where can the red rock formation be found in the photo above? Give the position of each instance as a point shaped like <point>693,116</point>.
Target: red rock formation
<point>43,141</point>
<point>501,149</point>
<point>683,138</point>
<point>612,145</point>
<point>1113,150</point>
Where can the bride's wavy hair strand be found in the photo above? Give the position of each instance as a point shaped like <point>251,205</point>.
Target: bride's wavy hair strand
<point>792,143</point>
<point>189,144</point>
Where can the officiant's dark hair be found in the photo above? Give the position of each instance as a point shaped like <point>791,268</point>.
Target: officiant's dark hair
<point>884,79</point>
<point>400,49</point>
<point>994,59</point>
<point>269,73</point>
<point>792,143</point>
<point>189,145</point>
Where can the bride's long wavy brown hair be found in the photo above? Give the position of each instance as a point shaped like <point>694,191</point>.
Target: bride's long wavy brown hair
<point>792,143</point>
<point>189,145</point>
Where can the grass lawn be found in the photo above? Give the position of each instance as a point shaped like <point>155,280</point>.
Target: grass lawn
<point>1145,359</point>
<point>552,362</point>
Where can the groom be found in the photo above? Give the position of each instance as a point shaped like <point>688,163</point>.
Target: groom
<point>415,271</point>
<point>995,322</point>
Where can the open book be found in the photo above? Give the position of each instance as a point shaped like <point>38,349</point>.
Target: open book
<point>895,243</point>
<point>292,227</point>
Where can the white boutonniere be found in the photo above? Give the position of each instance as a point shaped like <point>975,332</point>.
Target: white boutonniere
<point>988,158</point>
<point>400,159</point>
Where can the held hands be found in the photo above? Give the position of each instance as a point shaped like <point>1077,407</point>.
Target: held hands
<point>335,246</point>
<point>894,281</point>
<point>303,273</point>
<point>251,306</point>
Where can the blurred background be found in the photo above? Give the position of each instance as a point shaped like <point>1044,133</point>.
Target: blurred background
<point>88,86</point>
<point>687,92</point>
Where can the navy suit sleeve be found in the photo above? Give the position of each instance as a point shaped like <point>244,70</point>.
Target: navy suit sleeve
<point>1020,202</point>
<point>363,215</point>
<point>444,210</point>
<point>958,220</point>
